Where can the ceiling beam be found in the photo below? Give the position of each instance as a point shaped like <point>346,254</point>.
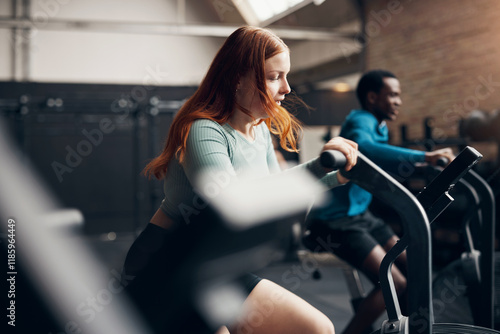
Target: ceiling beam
<point>336,68</point>
<point>203,30</point>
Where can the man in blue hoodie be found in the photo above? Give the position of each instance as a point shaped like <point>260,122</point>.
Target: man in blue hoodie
<point>362,238</point>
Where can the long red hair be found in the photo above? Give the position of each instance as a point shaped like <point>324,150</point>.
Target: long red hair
<point>246,49</point>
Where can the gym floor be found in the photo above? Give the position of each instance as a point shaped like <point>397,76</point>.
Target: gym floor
<point>329,294</point>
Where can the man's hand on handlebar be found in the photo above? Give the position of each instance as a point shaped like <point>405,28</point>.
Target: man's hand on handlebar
<point>440,157</point>
<point>348,148</point>
<point>341,178</point>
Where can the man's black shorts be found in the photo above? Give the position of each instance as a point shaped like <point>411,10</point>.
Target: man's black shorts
<point>352,238</point>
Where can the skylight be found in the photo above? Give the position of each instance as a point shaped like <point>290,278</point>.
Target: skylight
<point>264,9</point>
<point>264,12</point>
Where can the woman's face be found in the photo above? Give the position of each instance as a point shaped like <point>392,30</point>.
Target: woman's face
<point>276,69</point>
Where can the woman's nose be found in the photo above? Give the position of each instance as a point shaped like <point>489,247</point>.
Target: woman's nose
<point>285,87</point>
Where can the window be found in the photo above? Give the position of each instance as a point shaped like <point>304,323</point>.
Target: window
<point>264,12</point>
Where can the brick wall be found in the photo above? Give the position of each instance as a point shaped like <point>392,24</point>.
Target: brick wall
<point>446,54</point>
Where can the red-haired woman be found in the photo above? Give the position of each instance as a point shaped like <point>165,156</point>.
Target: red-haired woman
<point>225,127</point>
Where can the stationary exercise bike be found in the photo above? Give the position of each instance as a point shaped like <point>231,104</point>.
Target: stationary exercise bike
<point>464,290</point>
<point>416,216</point>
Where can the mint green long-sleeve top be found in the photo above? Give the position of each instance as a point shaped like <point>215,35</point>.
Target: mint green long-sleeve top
<point>225,153</point>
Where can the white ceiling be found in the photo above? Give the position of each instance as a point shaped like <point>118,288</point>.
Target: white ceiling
<point>322,38</point>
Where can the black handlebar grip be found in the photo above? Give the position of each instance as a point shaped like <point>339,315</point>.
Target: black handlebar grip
<point>442,162</point>
<point>332,159</point>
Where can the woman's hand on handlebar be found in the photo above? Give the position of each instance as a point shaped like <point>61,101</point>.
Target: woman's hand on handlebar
<point>437,157</point>
<point>348,148</point>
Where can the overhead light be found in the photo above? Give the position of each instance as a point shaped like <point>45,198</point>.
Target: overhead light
<point>341,84</point>
<point>341,87</point>
<point>264,12</point>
